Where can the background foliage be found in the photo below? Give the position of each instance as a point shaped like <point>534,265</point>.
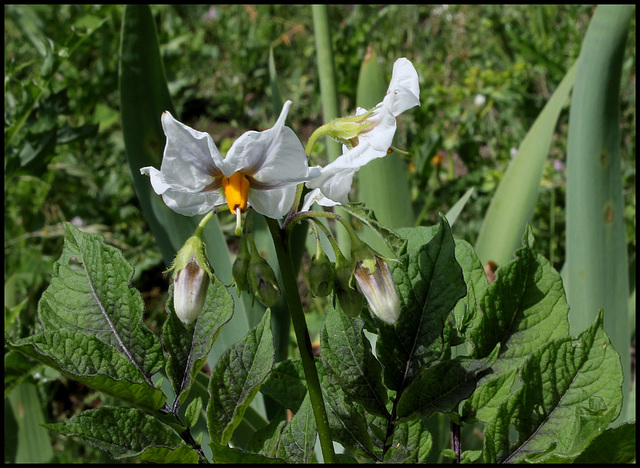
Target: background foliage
<point>64,153</point>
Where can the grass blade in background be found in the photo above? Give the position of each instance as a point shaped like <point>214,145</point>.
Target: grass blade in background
<point>144,96</point>
<point>513,203</point>
<point>596,272</point>
<point>328,92</point>
<point>383,184</point>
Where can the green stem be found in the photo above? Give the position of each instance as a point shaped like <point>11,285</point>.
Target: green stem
<point>302,336</point>
<point>203,222</point>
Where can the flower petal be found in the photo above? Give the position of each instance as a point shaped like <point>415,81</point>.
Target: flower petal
<point>404,87</point>
<point>192,204</point>
<point>273,203</point>
<point>191,159</point>
<point>273,157</point>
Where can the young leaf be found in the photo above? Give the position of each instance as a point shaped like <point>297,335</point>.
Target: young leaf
<point>429,283</point>
<point>368,217</point>
<point>298,438</point>
<point>347,357</point>
<point>237,378</point>
<point>188,346</point>
<point>411,443</point>
<point>571,391</point>
<point>126,433</point>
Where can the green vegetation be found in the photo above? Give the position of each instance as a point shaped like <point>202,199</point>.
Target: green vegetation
<point>486,73</point>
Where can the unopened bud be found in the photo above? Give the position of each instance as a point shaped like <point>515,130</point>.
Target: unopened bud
<point>321,275</point>
<point>262,280</point>
<point>241,266</point>
<point>191,280</point>
<point>349,298</point>
<point>378,288</point>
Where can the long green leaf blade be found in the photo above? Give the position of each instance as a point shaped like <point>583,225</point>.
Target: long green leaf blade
<point>513,203</point>
<point>596,271</point>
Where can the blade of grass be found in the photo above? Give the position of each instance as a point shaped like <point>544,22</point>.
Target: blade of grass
<point>328,92</point>
<point>144,95</point>
<point>597,265</point>
<point>513,203</point>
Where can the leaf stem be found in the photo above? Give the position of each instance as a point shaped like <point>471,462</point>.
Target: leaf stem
<point>302,336</point>
<point>455,440</point>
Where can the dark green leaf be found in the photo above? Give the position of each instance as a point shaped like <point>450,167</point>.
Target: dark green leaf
<point>93,363</point>
<point>298,438</point>
<point>286,384</point>
<point>429,283</point>
<point>443,386</point>
<point>523,309</point>
<point>229,455</point>
<point>350,364</point>
<point>90,292</point>
<point>411,443</point>
<point>237,378</point>
<point>126,433</point>
<point>347,420</point>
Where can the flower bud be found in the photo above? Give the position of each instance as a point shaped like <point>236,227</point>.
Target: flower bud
<point>379,290</point>
<point>241,266</point>
<point>350,299</point>
<point>374,280</point>
<point>262,279</point>
<point>191,280</point>
<point>321,275</point>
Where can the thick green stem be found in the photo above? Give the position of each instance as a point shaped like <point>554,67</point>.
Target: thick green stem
<point>302,336</point>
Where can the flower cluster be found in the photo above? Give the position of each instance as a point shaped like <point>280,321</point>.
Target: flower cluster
<point>265,171</point>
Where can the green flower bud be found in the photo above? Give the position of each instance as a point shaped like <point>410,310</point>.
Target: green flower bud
<point>241,266</point>
<point>349,298</point>
<point>191,280</point>
<point>262,279</point>
<point>321,275</point>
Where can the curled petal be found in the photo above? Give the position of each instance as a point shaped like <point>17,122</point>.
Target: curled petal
<point>190,160</point>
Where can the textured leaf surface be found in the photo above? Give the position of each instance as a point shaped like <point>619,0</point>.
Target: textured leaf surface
<point>347,357</point>
<point>347,419</point>
<point>93,363</point>
<point>91,323</point>
<point>571,391</point>
<point>411,443</point>
<point>128,432</point>
<point>429,283</point>
<point>443,386</point>
<point>90,291</point>
<point>237,378</point>
<point>188,345</point>
<point>522,310</point>
<point>298,438</point>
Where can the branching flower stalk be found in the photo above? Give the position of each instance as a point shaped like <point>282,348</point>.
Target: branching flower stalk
<point>292,294</point>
